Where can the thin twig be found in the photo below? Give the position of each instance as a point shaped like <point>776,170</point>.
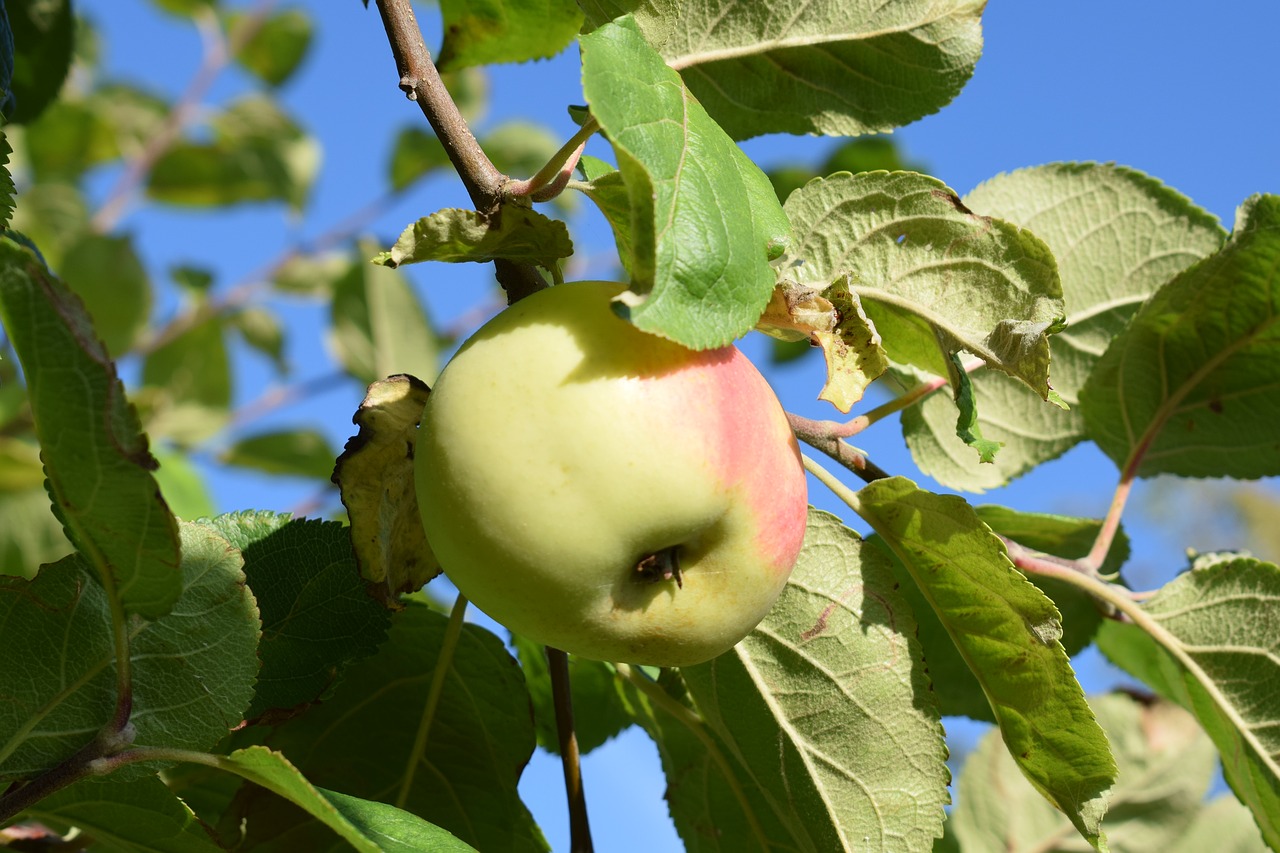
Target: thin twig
<point>579,825</point>
<point>552,178</point>
<point>823,436</point>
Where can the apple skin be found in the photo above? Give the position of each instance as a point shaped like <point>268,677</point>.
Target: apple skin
<point>562,446</point>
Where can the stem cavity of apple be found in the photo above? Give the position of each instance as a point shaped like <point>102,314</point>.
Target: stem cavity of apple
<point>661,565</point>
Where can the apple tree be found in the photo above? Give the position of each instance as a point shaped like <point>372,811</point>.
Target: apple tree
<point>177,679</point>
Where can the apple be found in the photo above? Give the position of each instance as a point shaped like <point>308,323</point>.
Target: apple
<point>606,491</point>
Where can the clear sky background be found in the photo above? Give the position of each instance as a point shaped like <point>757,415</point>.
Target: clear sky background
<point>1188,95</point>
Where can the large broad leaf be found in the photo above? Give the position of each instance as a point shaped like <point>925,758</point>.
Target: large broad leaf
<point>484,32</point>
<point>1166,765</point>
<point>1008,633</point>
<point>827,709</point>
<point>94,453</point>
<point>133,816</point>
<point>834,67</point>
<point>1209,642</point>
<point>369,827</point>
<point>704,218</point>
<point>317,615</point>
<point>192,669</point>
<point>362,740</point>
<point>1118,235</point>
<point>1189,387</point>
<point>933,277</point>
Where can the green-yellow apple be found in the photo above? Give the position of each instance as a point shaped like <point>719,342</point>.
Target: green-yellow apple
<point>605,491</point>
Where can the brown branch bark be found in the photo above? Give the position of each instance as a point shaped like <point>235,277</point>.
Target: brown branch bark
<point>579,827</point>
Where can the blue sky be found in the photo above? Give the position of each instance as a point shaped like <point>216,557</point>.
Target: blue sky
<point>1183,94</point>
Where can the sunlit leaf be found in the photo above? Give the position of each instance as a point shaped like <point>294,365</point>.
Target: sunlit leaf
<point>1188,387</point>
<point>94,451</point>
<point>189,381</point>
<point>704,219</point>
<point>415,153</point>
<point>292,452</point>
<point>277,46</point>
<point>454,235</point>
<point>1209,644</point>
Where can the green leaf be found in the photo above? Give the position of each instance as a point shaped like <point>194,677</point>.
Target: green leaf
<point>277,46</point>
<point>1118,235</point>
<point>192,669</point>
<point>379,327</point>
<point>258,153</point>
<point>53,216</point>
<point>484,32</point>
<point>94,451</point>
<point>182,485</point>
<point>968,428</point>
<point>317,616</point>
<point>836,67</point>
<point>1208,642</point>
<point>261,330</point>
<point>130,816</point>
<point>933,277</point>
<point>376,475</point>
<point>107,274</point>
<point>315,274</point>
<point>853,349</point>
<point>188,383</point>
<point>599,712</point>
<point>1223,826</point>
<point>362,739</point>
<point>704,219</point>
<point>68,139</point>
<point>456,236</point>
<point>606,189</point>
<point>30,534</point>
<point>415,154</point>
<point>1008,633</point>
<point>43,37</point>
<point>369,827</point>
<point>827,705</point>
<point>1188,387</point>
<point>864,154</point>
<point>293,453</point>
<point>134,115</point>
<point>1165,767</point>
<point>186,8</point>
<point>7,189</point>
<point>6,66</point>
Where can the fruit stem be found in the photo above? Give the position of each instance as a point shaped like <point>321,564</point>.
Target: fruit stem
<point>579,825</point>
<point>444,664</point>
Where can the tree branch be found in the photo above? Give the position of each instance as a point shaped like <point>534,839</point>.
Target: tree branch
<point>579,826</point>
<point>825,436</point>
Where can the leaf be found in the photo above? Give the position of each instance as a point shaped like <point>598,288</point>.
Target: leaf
<point>293,453</point>
<point>606,189</point>
<point>369,827</point>
<point>7,189</point>
<point>484,32</point>
<point>1165,767</point>
<point>455,236</point>
<point>599,712</point>
<point>863,154</point>
<point>314,275</point>
<point>1224,826</point>
<point>853,349</point>
<point>415,154</point>
<point>53,217</point>
<point>1188,387</point>
<point>95,454</point>
<point>30,534</point>
<point>130,816</point>
<point>258,153</point>
<point>1008,633</point>
<point>827,706</point>
<point>68,139</point>
<point>187,8</point>
<point>933,277</point>
<point>968,428</point>
<point>107,274</point>
<point>43,37</point>
<point>704,218</point>
<point>277,46</point>
<point>317,615</point>
<point>188,383</point>
<point>182,485</point>
<point>1118,235</point>
<point>837,68</point>
<point>1208,642</point>
<point>379,327</point>
<point>261,330</point>
<point>6,67</point>
<point>192,669</point>
<point>375,474</point>
<point>362,738</point>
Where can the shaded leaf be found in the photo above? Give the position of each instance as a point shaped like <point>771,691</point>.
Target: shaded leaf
<point>835,67</point>
<point>30,534</point>
<point>606,189</point>
<point>933,277</point>
<point>375,473</point>
<point>369,827</point>
<point>68,139</point>
<point>362,738</point>
<point>599,712</point>
<point>968,428</point>
<point>1008,633</point>
<point>1165,767</point>
<point>107,274</point>
<point>188,383</point>
<point>277,46</point>
<point>317,615</point>
<point>704,219</point>
<point>313,275</point>
<point>95,454</point>
<point>379,327</point>
<point>454,235</point>
<point>182,485</point>
<point>863,154</point>
<point>484,32</point>
<point>1188,387</point>
<point>192,669</point>
<point>827,706</point>
<point>1208,643</point>
<point>53,216</point>
<point>260,329</point>
<point>43,38</point>
<point>294,453</point>
<point>414,154</point>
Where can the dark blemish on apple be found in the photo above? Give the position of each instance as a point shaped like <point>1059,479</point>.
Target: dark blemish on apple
<point>661,565</point>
